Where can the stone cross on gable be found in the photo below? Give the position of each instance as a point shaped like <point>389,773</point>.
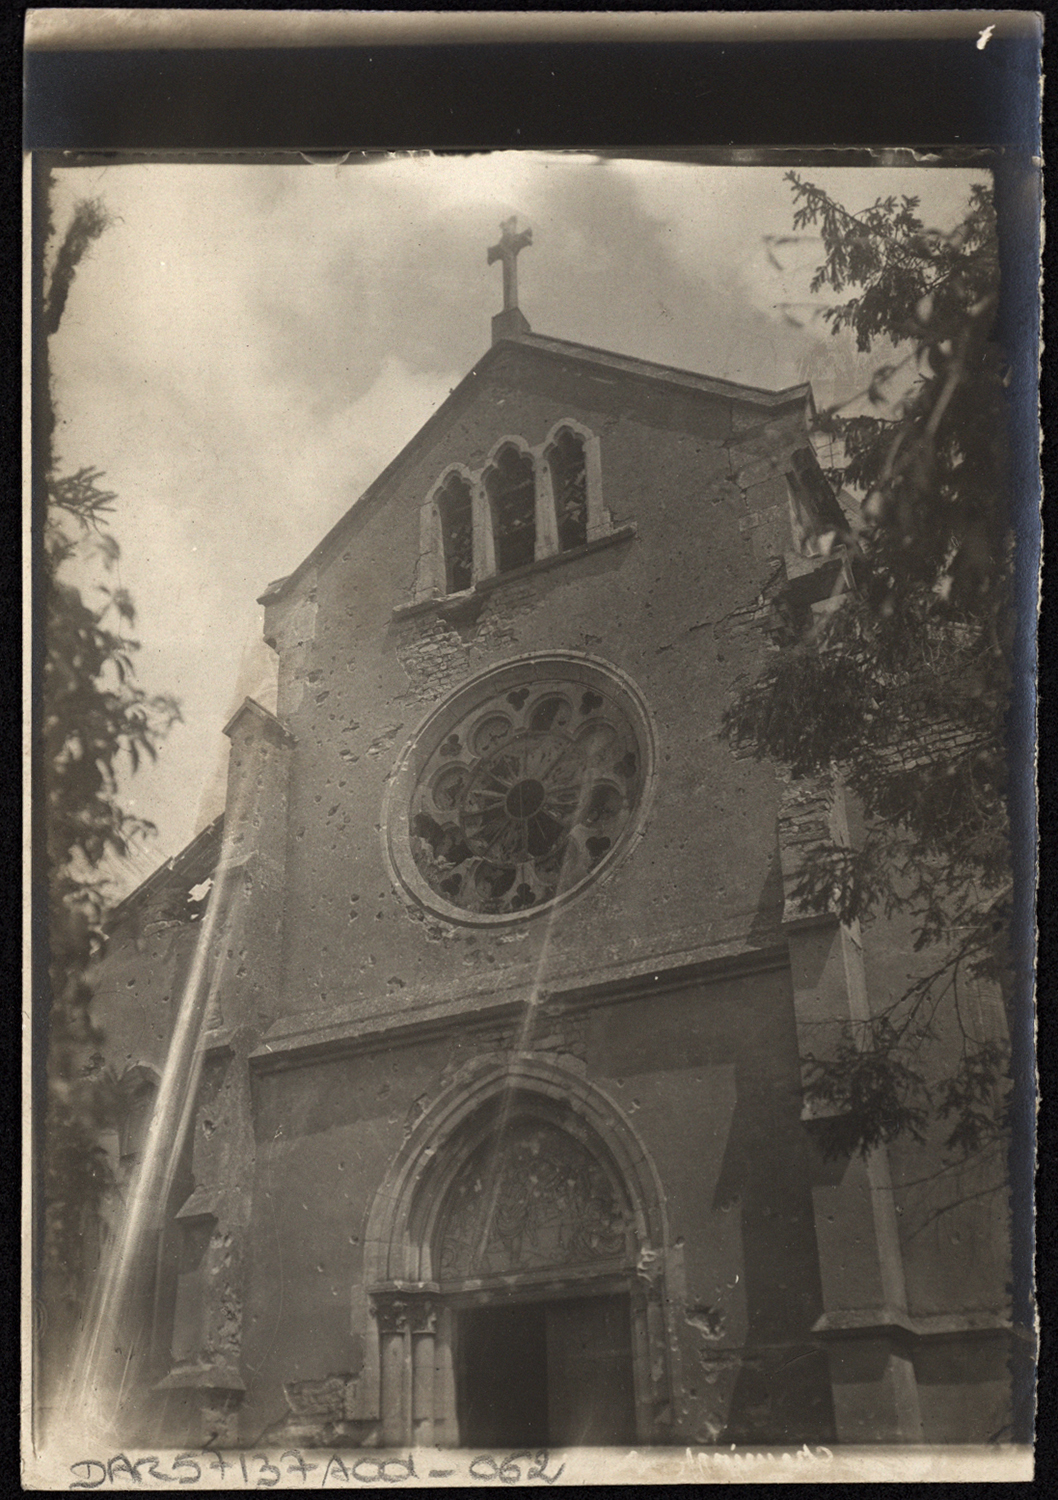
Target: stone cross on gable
<point>507,251</point>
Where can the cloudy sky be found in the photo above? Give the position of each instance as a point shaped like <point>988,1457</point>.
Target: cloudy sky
<point>246,346</point>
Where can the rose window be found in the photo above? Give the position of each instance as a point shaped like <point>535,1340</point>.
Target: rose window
<point>526,792</point>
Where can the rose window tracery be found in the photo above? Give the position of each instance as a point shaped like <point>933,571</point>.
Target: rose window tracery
<point>525,793</point>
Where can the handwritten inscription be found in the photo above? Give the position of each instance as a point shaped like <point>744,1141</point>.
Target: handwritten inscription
<point>324,1469</point>
<point>212,1470</point>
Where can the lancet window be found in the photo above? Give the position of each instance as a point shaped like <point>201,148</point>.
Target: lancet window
<point>524,506</point>
<point>569,482</point>
<point>455,511</point>
<point>511,488</point>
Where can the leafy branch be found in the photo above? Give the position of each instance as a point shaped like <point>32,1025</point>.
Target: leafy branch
<point>900,685</point>
<point>97,724</point>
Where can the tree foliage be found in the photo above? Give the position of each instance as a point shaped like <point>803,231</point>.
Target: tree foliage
<point>87,223</point>
<point>96,724</point>
<point>899,684</point>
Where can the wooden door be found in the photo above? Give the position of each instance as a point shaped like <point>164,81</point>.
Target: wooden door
<point>590,1392</point>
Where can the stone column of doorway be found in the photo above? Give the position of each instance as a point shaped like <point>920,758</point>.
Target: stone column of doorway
<point>391,1314</point>
<point>423,1332</point>
<point>407,1328</point>
<point>650,1340</point>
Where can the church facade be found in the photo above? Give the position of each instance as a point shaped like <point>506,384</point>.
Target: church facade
<point>499,1138</point>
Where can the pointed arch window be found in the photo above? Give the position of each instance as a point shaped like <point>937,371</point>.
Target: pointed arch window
<point>455,509</point>
<point>135,1121</point>
<point>511,487</point>
<point>527,505</point>
<point>569,478</point>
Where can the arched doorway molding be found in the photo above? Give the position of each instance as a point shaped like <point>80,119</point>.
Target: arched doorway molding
<point>405,1310</point>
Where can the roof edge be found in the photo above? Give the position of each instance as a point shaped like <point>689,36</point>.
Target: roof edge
<point>281,586</point>
<point>269,721</point>
<point>713,385</point>
<point>169,867</point>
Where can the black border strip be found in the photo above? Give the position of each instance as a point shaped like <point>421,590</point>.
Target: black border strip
<point>916,93</point>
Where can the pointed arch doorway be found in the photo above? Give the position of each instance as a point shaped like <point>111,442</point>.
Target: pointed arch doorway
<point>535,1246</point>
<point>524,1226</point>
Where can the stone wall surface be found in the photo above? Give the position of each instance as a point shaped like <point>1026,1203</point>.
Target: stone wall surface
<point>706,1077</point>
<point>682,983</point>
<point>655,605</point>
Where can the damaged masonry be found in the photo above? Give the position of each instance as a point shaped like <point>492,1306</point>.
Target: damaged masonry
<point>498,1138</point>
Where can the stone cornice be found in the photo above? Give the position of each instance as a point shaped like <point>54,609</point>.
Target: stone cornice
<point>296,1038</point>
